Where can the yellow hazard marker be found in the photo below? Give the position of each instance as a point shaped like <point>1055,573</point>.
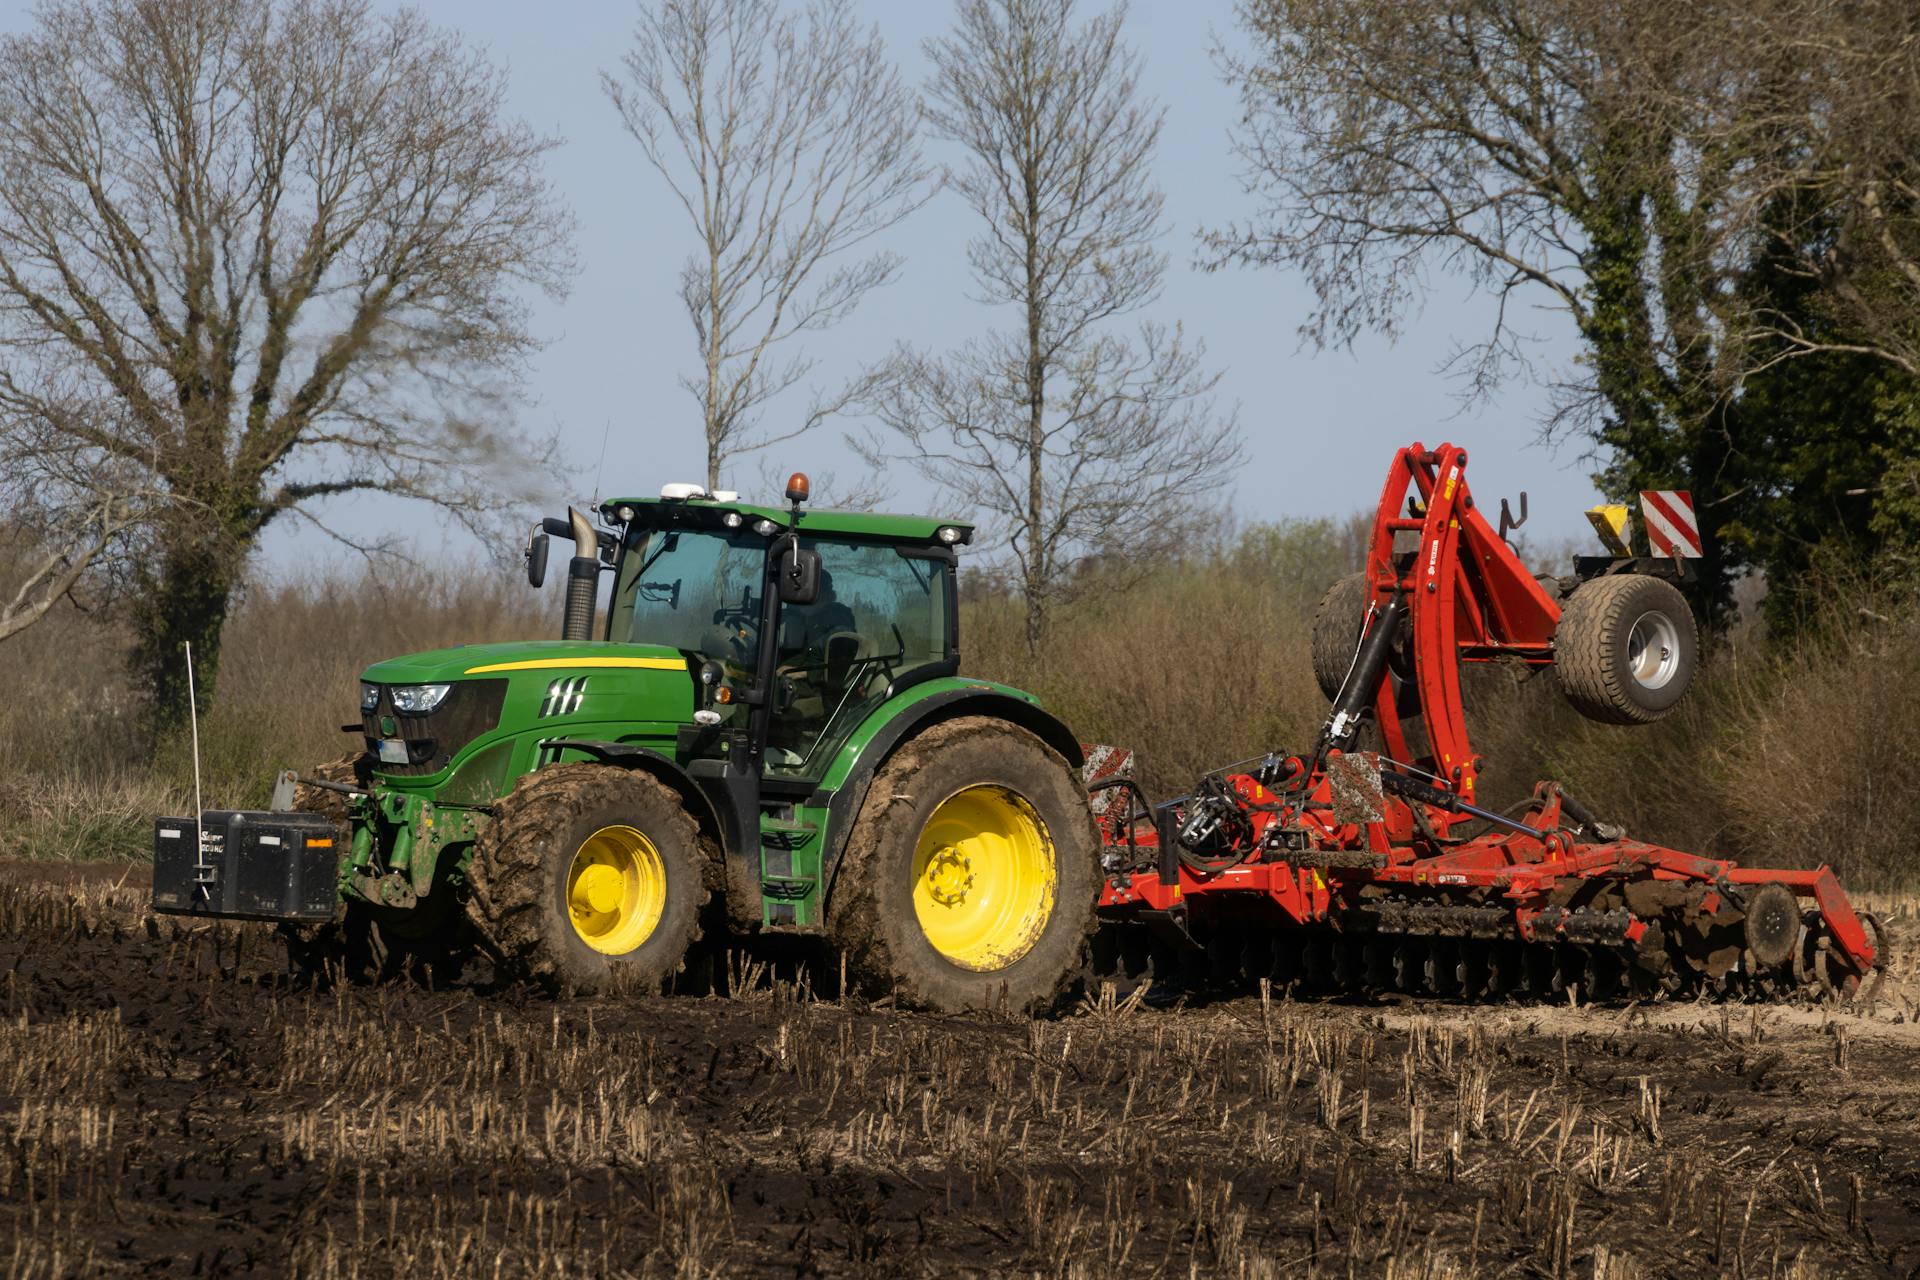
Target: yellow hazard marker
<point>1609,520</point>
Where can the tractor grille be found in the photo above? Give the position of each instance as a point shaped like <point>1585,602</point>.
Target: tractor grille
<point>471,708</point>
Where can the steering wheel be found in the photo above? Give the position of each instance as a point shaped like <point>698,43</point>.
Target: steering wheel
<point>742,624</point>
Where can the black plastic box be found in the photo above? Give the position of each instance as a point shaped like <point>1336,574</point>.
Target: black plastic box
<point>259,866</point>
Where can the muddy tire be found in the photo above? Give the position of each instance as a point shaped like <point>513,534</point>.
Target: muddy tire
<point>588,877</point>
<point>1336,632</point>
<point>976,834</point>
<point>1626,649</point>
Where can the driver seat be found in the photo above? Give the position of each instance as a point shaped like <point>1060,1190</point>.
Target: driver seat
<point>843,650</point>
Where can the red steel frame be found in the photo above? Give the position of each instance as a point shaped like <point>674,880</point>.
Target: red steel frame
<point>1469,599</point>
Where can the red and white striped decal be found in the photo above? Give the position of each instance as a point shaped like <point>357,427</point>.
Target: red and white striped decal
<point>1672,528</point>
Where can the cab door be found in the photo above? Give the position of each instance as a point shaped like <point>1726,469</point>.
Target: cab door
<point>884,615</point>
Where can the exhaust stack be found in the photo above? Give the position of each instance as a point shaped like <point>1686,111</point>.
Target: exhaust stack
<point>583,580</point>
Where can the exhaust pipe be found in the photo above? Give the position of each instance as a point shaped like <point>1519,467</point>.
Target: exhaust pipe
<point>583,580</point>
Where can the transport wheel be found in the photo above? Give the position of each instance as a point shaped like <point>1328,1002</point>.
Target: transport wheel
<point>1626,648</point>
<point>588,875</point>
<point>969,877</point>
<point>1336,632</point>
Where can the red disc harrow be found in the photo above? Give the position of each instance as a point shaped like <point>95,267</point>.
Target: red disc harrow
<point>1366,863</point>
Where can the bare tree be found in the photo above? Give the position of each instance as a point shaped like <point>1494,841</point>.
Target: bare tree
<point>789,142</point>
<point>1082,441</point>
<point>287,240</point>
<point>67,506</point>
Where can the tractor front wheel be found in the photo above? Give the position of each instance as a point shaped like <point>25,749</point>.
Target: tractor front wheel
<point>588,875</point>
<point>969,878</point>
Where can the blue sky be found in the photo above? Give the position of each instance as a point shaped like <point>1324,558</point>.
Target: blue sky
<point>1318,427</point>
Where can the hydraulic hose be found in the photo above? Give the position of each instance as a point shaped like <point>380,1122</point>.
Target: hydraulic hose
<point>1343,725</point>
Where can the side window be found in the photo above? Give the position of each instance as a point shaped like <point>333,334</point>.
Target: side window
<point>879,614</point>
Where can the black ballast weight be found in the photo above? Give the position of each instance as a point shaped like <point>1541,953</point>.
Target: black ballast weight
<point>263,866</point>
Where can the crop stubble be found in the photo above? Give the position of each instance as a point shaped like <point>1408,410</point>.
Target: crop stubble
<point>169,1103</point>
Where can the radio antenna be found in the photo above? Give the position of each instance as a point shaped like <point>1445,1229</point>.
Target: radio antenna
<point>193,718</point>
<point>600,470</point>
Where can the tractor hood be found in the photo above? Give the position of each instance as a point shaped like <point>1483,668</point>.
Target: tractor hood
<point>484,711</point>
<point>553,657</point>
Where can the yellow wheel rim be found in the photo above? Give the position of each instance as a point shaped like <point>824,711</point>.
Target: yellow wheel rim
<point>983,878</point>
<point>616,890</point>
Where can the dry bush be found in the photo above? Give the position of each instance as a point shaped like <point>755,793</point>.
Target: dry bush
<point>77,777</point>
<point>1191,666</point>
<point>1825,765</point>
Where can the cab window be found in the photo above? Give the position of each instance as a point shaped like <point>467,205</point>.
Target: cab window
<point>693,589</point>
<point>879,615</point>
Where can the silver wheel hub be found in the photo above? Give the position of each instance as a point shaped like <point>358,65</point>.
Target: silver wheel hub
<point>1653,650</point>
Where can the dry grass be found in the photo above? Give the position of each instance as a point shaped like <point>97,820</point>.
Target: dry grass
<point>1785,754</point>
<point>77,777</point>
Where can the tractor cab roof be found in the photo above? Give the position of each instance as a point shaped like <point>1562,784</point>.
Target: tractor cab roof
<point>649,512</point>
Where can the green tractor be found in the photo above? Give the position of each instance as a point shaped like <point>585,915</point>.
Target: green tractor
<point>769,733</point>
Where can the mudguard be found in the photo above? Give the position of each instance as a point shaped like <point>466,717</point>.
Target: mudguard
<point>860,761</point>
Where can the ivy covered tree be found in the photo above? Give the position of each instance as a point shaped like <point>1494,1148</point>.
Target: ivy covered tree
<point>1730,245</point>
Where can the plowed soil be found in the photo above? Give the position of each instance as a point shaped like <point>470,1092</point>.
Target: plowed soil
<point>171,1104</point>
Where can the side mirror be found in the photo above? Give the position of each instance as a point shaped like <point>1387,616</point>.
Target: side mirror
<point>799,574</point>
<point>537,557</point>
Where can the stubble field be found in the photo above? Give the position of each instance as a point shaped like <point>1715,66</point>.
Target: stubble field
<point>170,1104</point>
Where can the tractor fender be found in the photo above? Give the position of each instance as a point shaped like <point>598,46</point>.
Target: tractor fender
<point>719,824</point>
<point>843,804</point>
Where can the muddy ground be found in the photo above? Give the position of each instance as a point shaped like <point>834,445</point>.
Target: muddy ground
<point>169,1105</point>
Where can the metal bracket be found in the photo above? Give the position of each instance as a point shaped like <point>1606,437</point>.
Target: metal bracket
<point>1507,522</point>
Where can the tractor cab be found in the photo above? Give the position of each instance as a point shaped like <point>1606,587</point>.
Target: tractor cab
<point>802,623</point>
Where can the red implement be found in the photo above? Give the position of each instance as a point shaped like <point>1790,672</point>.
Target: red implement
<point>1372,865</point>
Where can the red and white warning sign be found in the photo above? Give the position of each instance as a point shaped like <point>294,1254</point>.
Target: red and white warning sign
<point>1672,527</point>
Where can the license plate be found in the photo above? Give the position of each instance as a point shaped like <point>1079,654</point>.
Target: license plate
<point>393,751</point>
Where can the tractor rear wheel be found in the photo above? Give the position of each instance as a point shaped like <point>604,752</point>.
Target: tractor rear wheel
<point>1626,648</point>
<point>969,878</point>
<point>1336,632</point>
<point>588,875</point>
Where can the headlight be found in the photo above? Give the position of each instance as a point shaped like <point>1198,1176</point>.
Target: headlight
<point>418,699</point>
<point>369,697</point>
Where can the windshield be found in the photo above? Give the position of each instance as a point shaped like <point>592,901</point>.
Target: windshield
<point>696,589</point>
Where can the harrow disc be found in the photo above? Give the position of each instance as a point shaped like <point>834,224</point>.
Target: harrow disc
<point>1772,925</point>
<point>1459,951</point>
